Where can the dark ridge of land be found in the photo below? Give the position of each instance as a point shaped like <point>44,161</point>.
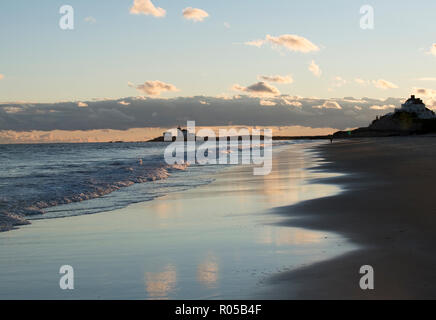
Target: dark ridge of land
<point>398,124</point>
<point>322,137</point>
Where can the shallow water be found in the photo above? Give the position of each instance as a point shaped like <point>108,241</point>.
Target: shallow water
<point>218,241</point>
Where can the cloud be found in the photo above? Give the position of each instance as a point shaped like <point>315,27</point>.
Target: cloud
<point>12,109</point>
<point>82,104</point>
<point>315,69</point>
<point>427,95</point>
<point>433,49</point>
<point>277,79</point>
<point>329,105</point>
<point>124,103</point>
<point>90,20</point>
<point>361,82</point>
<point>427,79</point>
<point>147,7</point>
<point>293,43</point>
<point>258,89</point>
<point>154,88</point>
<point>195,14</point>
<point>255,43</point>
<point>291,102</point>
<point>2,76</point>
<point>425,92</point>
<point>380,83</point>
<point>227,25</point>
<point>267,103</point>
<point>383,107</point>
<point>384,84</point>
<point>339,82</point>
<point>290,42</point>
<point>246,110</point>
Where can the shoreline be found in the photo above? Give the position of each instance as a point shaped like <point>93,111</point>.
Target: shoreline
<point>386,209</point>
<point>14,220</point>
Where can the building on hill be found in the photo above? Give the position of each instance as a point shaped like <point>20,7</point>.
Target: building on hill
<point>416,106</point>
<point>411,118</point>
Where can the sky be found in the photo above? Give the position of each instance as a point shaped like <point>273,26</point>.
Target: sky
<point>264,50</point>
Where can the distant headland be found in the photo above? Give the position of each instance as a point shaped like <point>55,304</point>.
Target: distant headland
<point>184,132</point>
<point>413,117</point>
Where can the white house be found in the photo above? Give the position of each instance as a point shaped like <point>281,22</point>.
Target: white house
<point>415,105</point>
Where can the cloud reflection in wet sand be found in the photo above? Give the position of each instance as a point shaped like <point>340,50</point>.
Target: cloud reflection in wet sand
<point>280,236</point>
<point>160,284</point>
<point>207,272</point>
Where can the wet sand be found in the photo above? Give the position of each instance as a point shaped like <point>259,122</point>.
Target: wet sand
<point>388,209</point>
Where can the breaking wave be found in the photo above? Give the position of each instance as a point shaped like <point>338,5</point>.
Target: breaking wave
<point>38,177</point>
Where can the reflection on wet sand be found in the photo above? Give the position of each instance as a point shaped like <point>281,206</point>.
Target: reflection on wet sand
<point>285,176</point>
<point>160,284</point>
<point>207,272</point>
<point>280,236</point>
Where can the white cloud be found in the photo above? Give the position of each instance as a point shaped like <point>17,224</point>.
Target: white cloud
<point>427,95</point>
<point>227,25</point>
<point>81,104</point>
<point>315,69</point>
<point>124,103</point>
<point>358,108</point>
<point>258,89</point>
<point>361,81</point>
<point>267,103</point>
<point>195,14</point>
<point>380,83</point>
<point>255,43</point>
<point>291,42</point>
<point>329,105</point>
<point>353,100</point>
<point>383,107</point>
<point>90,20</point>
<point>147,7</point>
<point>384,84</point>
<point>154,88</point>
<point>339,82</point>
<point>277,79</point>
<point>425,92</point>
<point>433,49</point>
<point>12,109</point>
<point>427,79</point>
<point>290,102</point>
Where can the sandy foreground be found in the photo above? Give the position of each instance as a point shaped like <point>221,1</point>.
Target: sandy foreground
<point>388,210</point>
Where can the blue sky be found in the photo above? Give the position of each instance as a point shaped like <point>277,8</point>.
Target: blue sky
<point>42,63</point>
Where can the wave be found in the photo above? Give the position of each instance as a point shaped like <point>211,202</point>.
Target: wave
<point>98,185</point>
<point>49,181</point>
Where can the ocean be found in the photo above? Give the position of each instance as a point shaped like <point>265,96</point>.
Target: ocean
<point>41,181</point>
